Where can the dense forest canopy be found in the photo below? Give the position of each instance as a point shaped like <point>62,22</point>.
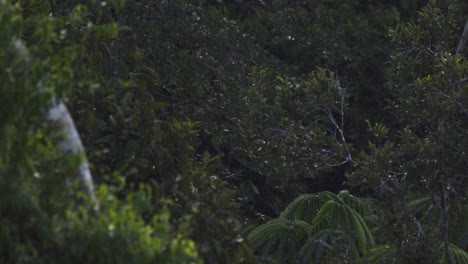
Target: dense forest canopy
<point>244,131</point>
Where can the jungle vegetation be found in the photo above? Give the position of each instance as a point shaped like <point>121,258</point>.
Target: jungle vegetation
<point>243,131</point>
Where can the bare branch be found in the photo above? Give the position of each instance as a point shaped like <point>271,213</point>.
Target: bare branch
<point>340,128</point>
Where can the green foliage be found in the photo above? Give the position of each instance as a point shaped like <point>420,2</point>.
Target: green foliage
<point>259,110</point>
<point>459,255</point>
<point>280,237</point>
<point>315,228</point>
<point>42,220</point>
<point>326,228</point>
<point>120,234</point>
<point>176,55</point>
<point>417,170</point>
<point>349,38</point>
<point>201,119</point>
<point>132,126</point>
<point>382,254</point>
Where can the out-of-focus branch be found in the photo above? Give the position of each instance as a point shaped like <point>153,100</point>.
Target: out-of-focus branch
<point>463,40</point>
<point>57,114</point>
<point>71,144</point>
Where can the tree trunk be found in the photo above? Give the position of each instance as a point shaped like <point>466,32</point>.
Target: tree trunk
<point>463,39</point>
<point>444,224</point>
<point>71,145</point>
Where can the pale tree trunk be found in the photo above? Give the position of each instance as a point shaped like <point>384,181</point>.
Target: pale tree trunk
<point>444,223</point>
<point>71,145</point>
<point>57,114</point>
<point>463,40</point>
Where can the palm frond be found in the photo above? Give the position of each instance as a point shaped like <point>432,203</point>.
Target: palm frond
<point>305,207</point>
<point>279,237</point>
<point>462,241</point>
<point>419,204</point>
<point>335,222</point>
<point>343,218</point>
<point>321,242</point>
<point>381,254</point>
<point>458,227</point>
<point>354,202</point>
<point>424,209</point>
<point>459,255</point>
